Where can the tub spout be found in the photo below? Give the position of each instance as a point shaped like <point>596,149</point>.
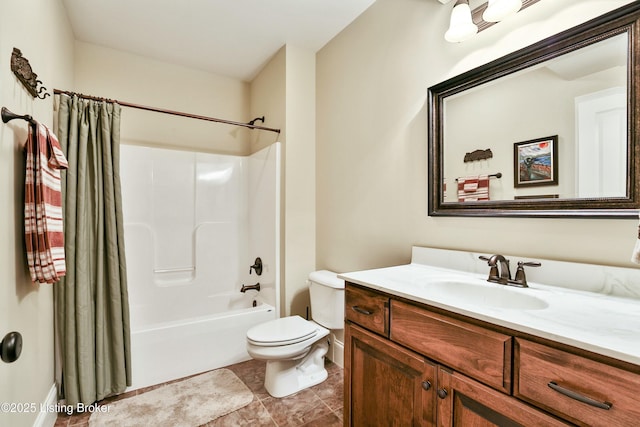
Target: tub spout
<point>246,288</point>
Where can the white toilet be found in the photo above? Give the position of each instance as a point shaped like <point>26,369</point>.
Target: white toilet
<point>294,348</point>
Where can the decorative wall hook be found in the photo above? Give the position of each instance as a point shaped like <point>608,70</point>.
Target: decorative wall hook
<point>22,69</point>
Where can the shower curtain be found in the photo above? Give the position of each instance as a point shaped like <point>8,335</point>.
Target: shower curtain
<point>91,303</point>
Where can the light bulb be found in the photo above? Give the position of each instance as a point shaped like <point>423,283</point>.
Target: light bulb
<point>461,25</point>
<point>497,10</point>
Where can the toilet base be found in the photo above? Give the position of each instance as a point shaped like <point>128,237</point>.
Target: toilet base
<point>285,377</point>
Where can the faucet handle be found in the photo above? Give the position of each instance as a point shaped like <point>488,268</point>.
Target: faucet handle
<point>529,264</point>
<point>520,278</point>
<point>484,258</point>
<point>257,266</point>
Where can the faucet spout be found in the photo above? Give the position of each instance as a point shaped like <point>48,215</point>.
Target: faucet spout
<point>246,288</point>
<point>499,263</point>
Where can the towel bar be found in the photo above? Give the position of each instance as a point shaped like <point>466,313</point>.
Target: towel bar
<point>494,175</point>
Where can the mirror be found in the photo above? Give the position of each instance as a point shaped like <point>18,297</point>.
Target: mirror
<point>545,131</point>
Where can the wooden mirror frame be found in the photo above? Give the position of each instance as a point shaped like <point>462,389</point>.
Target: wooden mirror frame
<point>625,20</point>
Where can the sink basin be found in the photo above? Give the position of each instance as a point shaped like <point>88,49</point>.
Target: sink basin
<point>480,293</point>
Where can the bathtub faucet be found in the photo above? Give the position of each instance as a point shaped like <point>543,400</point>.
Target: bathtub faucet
<point>246,288</point>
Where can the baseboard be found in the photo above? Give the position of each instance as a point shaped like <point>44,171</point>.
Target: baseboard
<point>337,351</point>
<point>48,418</point>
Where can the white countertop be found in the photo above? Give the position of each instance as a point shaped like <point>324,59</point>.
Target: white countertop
<point>603,324</point>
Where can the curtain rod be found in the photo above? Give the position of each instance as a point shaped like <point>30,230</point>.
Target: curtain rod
<point>174,113</point>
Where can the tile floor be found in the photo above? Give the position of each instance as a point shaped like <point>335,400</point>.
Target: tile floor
<point>318,406</point>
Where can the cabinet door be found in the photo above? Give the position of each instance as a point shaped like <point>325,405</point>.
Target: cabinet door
<point>385,384</point>
<point>465,402</point>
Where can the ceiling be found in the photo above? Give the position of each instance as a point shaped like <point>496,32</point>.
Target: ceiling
<point>233,38</point>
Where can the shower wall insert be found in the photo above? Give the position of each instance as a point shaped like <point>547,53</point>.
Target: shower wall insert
<point>194,222</point>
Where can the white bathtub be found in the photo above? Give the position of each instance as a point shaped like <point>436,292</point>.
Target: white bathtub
<point>165,351</point>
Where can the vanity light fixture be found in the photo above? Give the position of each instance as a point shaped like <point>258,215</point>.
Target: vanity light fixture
<point>497,10</point>
<point>465,22</point>
<point>461,25</point>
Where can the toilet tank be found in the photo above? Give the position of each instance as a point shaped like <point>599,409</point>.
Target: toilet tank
<point>326,292</point>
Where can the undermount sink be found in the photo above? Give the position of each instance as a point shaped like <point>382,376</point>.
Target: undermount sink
<point>477,292</point>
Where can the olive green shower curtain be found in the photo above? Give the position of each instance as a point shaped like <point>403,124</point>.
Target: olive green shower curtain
<point>91,302</point>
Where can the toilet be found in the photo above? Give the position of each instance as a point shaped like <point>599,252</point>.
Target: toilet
<point>294,348</point>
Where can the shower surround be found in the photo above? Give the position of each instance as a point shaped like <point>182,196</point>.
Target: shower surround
<point>194,223</point>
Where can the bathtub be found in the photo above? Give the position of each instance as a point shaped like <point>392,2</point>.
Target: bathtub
<point>167,350</point>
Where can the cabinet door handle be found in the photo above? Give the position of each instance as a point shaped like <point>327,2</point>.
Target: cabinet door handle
<point>426,384</point>
<point>361,310</point>
<point>579,397</point>
<point>442,393</point>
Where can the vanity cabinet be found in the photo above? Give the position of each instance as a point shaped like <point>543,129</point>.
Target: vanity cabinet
<point>408,364</point>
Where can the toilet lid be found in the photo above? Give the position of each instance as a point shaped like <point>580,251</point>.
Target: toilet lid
<point>283,331</point>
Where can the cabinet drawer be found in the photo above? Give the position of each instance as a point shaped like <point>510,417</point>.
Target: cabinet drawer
<point>470,349</point>
<point>368,309</point>
<point>578,389</point>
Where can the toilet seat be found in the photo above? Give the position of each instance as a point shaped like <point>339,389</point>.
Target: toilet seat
<point>273,352</point>
<point>283,331</point>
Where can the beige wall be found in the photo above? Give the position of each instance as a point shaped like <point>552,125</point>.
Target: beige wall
<point>268,98</point>
<point>39,28</point>
<point>132,78</point>
<point>284,91</point>
<point>372,82</point>
<point>300,179</point>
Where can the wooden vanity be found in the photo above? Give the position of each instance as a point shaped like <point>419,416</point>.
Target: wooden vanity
<point>408,363</point>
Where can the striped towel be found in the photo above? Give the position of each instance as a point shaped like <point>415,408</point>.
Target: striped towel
<point>43,228</point>
<point>473,188</point>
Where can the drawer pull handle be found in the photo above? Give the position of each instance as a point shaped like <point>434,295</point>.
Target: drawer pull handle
<point>579,397</point>
<point>361,310</point>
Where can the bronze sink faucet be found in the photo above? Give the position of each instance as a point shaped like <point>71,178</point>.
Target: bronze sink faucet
<point>500,273</point>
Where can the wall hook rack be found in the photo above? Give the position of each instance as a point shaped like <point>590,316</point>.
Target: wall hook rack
<point>22,69</point>
<point>478,155</point>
